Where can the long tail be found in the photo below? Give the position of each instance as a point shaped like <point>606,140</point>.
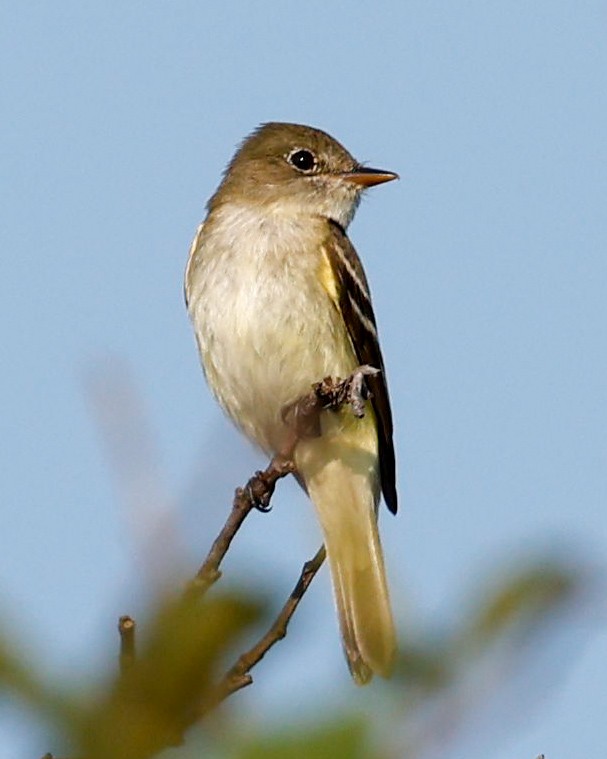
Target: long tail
<point>341,480</point>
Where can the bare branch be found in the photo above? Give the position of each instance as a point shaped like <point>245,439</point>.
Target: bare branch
<point>255,494</point>
<point>126,628</point>
<point>238,676</point>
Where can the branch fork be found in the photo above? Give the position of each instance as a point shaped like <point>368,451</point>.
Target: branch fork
<point>303,419</point>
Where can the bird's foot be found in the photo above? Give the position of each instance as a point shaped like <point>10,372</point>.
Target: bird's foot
<point>333,394</point>
<point>260,488</point>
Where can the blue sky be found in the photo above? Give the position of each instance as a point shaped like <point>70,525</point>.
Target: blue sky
<point>487,266</point>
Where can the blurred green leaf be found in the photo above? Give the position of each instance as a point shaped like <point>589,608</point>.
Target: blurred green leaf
<point>21,680</point>
<point>346,738</point>
<point>427,668</point>
<point>179,659</point>
<point>522,600</point>
<point>181,654</point>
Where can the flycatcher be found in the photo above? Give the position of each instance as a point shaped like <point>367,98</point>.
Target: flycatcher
<point>279,299</point>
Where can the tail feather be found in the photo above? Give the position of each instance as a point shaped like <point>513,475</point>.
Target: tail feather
<point>344,489</point>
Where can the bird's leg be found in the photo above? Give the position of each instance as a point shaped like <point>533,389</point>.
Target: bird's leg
<point>302,419</point>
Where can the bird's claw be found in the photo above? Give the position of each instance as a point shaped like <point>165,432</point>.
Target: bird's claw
<point>357,390</point>
<point>259,492</point>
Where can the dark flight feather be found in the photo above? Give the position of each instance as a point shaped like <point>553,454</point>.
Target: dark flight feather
<point>357,311</point>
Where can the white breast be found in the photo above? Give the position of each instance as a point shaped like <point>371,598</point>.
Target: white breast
<point>265,326</point>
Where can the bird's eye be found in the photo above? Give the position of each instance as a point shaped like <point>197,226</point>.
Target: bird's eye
<point>303,160</point>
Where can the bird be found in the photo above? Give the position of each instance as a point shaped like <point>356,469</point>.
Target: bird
<point>278,299</point>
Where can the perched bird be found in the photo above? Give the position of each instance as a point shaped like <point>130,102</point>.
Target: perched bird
<point>279,300</point>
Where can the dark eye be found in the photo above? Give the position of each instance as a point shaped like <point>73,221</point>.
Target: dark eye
<point>303,160</point>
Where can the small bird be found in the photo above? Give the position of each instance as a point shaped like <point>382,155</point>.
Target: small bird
<point>279,300</point>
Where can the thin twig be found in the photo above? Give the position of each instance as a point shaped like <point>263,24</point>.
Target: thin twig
<point>239,675</point>
<point>256,493</point>
<point>126,628</point>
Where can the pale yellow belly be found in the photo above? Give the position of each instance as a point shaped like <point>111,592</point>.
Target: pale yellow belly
<point>264,343</point>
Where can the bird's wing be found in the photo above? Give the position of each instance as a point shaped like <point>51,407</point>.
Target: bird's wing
<point>351,296</point>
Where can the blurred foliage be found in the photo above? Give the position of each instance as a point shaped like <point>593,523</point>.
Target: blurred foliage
<point>523,600</point>
<point>185,646</point>
<point>346,736</point>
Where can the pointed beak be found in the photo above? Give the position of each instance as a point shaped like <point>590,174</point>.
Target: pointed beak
<point>366,177</point>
